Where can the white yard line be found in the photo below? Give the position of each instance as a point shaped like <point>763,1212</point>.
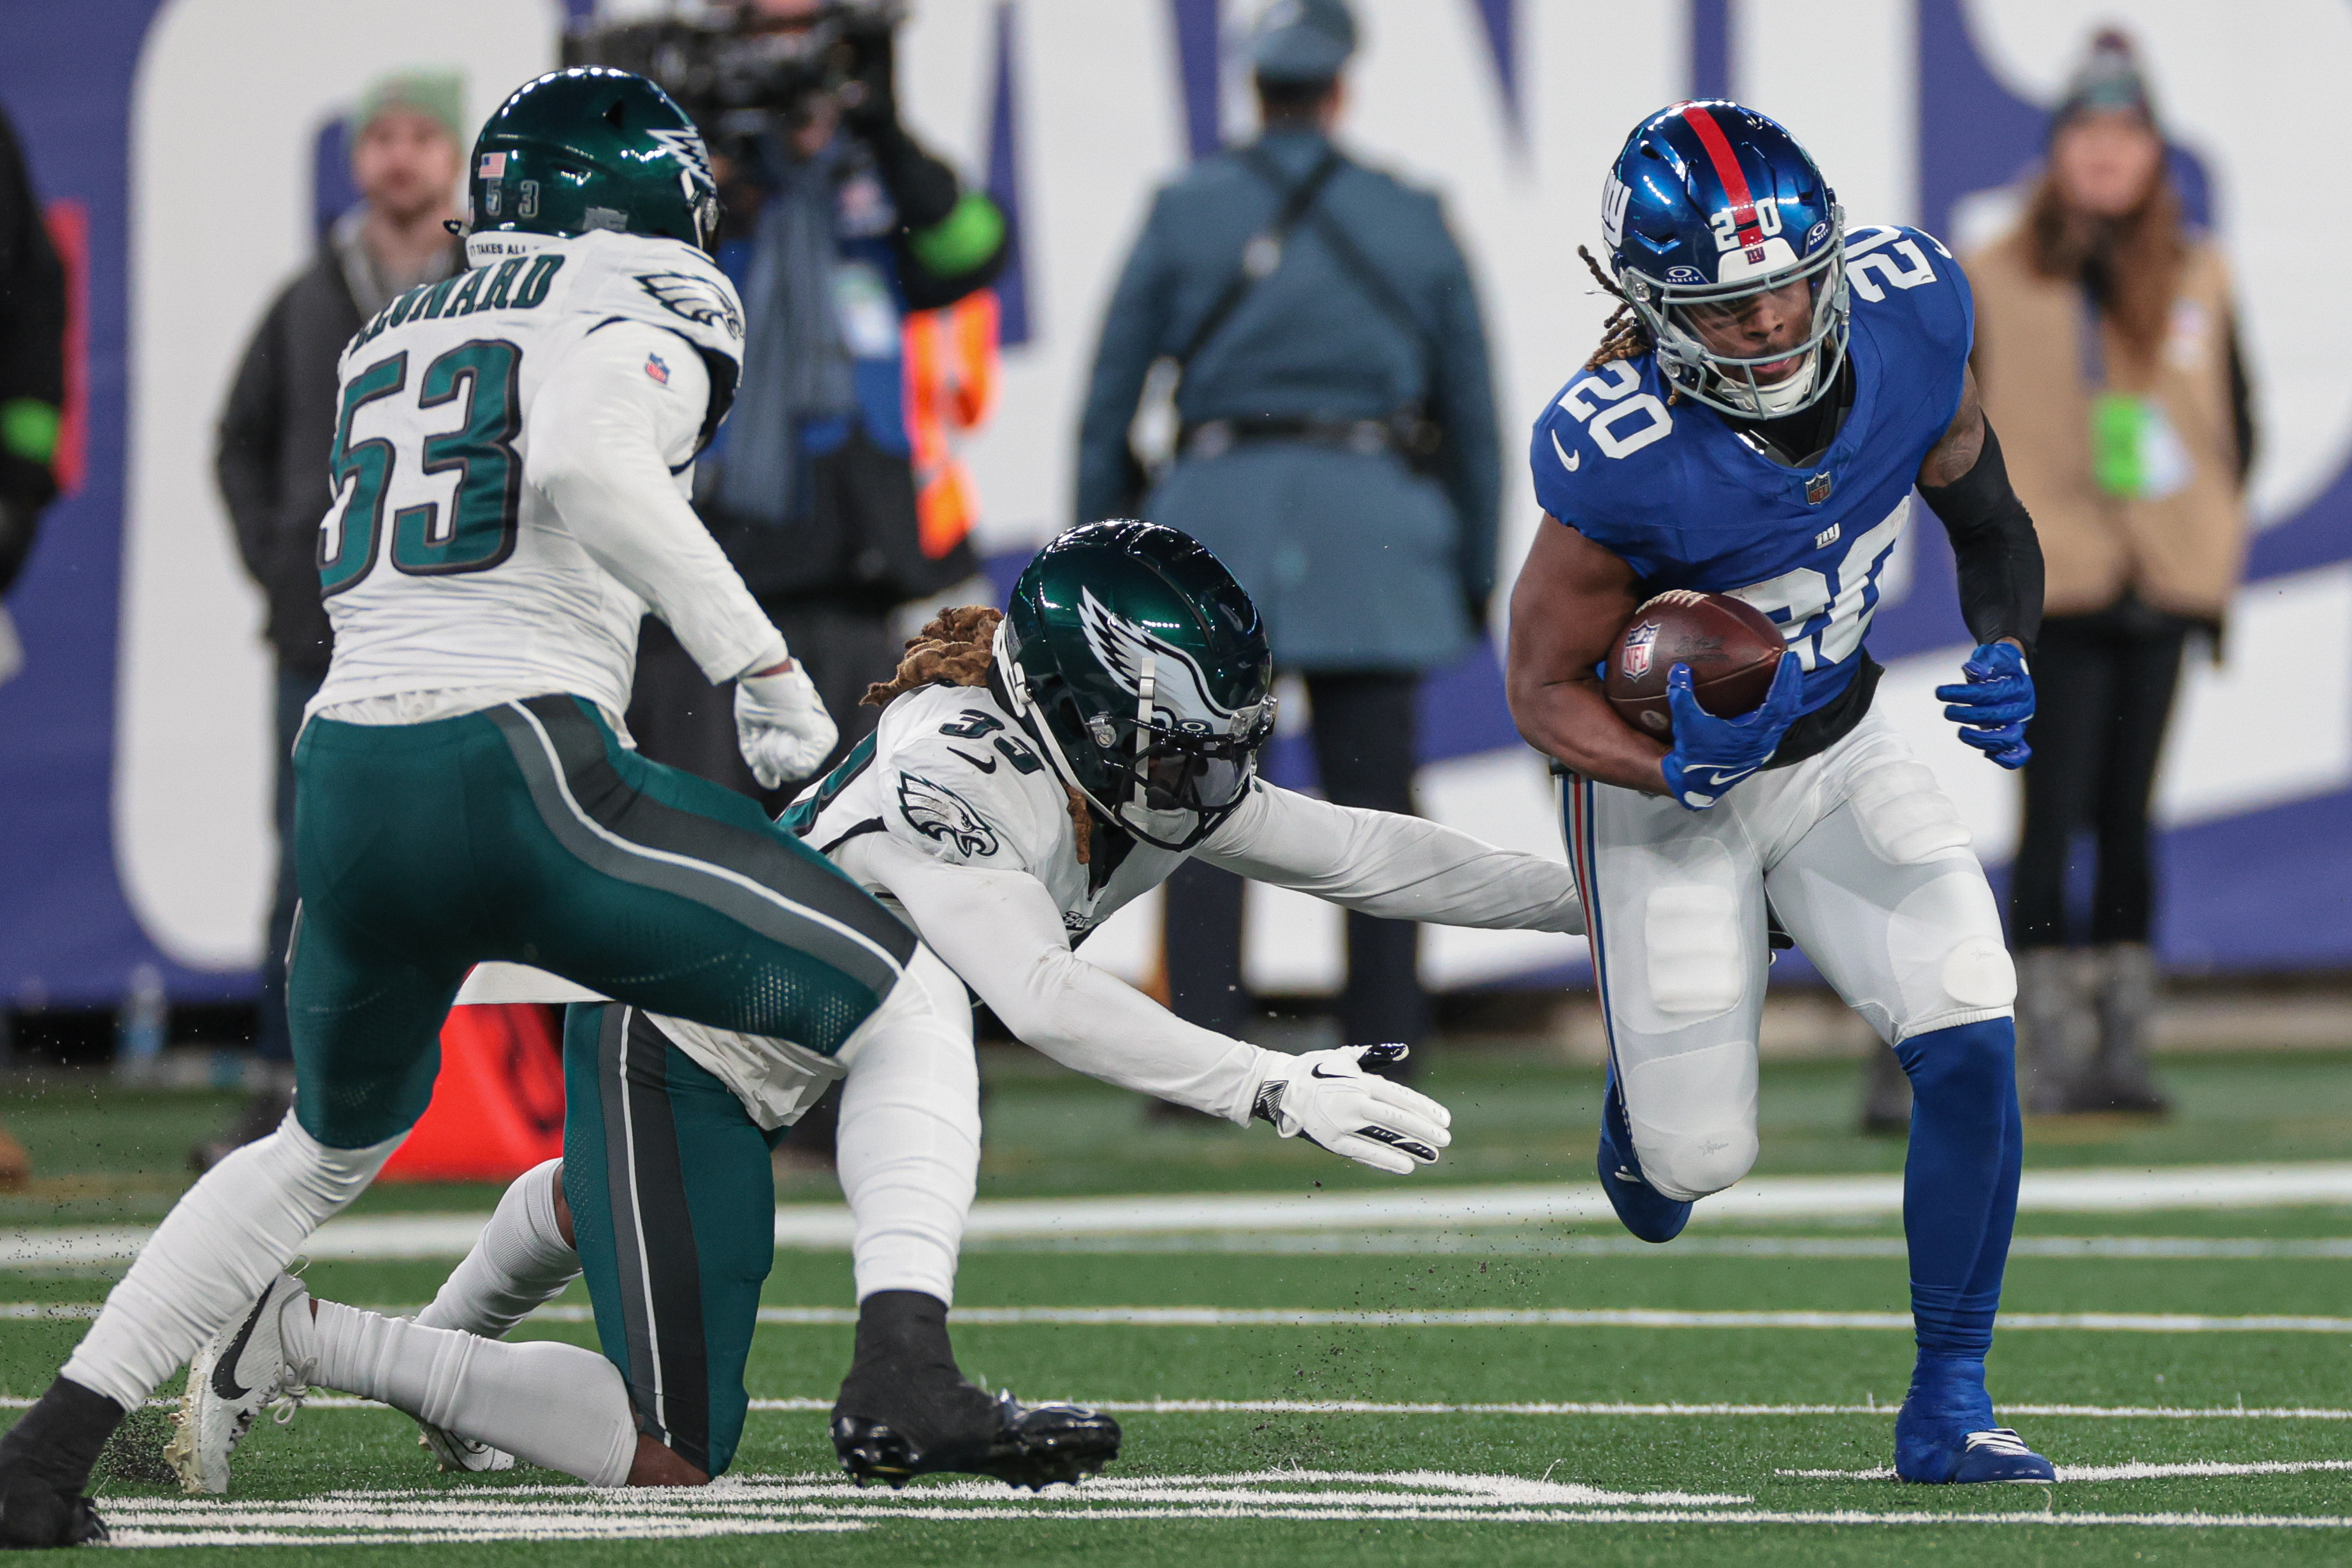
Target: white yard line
<point>2133,1472</point>
<point>1537,1318</point>
<point>1448,1318</point>
<point>1536,1242</point>
<point>766,1505</point>
<point>813,1403</point>
<point>826,1227</point>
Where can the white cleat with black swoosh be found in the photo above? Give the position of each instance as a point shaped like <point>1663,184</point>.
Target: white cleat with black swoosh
<point>459,1455</point>
<point>243,1371</point>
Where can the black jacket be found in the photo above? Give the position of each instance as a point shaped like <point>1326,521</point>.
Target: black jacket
<point>32,339</point>
<point>275,437</point>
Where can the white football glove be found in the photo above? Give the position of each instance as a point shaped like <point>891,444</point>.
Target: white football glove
<point>1331,1101</point>
<point>781,726</point>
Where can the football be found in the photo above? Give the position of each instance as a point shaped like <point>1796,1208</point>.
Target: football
<point>1732,648</point>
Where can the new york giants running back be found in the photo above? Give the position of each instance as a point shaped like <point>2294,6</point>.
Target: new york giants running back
<point>1763,403</point>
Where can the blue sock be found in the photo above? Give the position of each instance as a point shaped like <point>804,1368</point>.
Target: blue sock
<point>1960,1183</point>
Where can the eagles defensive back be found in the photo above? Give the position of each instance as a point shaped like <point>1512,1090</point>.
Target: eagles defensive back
<point>508,481</point>
<point>1768,395</point>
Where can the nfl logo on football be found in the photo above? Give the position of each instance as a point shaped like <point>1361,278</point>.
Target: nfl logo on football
<point>1636,662</point>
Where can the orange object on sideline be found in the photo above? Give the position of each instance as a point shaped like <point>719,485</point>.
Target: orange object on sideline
<point>498,1106</point>
<point>951,356</point>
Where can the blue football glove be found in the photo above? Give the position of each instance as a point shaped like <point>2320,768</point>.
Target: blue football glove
<point>1711,754</point>
<point>1992,706</point>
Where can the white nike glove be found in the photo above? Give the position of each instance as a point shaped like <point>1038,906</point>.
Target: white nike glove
<point>1328,1096</point>
<point>781,726</point>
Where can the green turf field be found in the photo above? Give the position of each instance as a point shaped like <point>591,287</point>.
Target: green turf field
<point>1340,1436</point>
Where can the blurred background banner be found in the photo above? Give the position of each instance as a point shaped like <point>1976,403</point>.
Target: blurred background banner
<point>190,152</point>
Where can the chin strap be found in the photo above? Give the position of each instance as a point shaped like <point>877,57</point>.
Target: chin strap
<point>1143,687</point>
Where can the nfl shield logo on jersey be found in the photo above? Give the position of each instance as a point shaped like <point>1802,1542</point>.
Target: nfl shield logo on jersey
<point>1636,662</point>
<point>1817,489</point>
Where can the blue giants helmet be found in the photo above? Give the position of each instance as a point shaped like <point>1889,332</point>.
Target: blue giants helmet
<point>1708,205</point>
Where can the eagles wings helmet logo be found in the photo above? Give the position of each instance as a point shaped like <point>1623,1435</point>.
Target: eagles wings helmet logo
<point>1179,688</point>
<point>937,811</point>
<point>696,297</point>
<point>685,145</point>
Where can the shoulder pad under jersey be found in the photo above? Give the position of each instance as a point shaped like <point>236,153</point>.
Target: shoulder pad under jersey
<point>961,782</point>
<point>664,283</point>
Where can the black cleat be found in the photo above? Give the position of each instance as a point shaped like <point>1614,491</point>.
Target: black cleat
<point>35,1514</point>
<point>44,1463</point>
<point>1022,1446</point>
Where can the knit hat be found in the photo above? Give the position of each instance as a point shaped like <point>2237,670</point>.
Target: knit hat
<point>439,93</point>
<point>2109,78</point>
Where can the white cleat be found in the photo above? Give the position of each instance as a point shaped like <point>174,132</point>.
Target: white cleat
<point>243,1371</point>
<point>458,1455</point>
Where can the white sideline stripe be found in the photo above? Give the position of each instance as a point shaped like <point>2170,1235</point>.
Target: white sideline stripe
<point>1443,1318</point>
<point>1533,1318</point>
<point>2134,1472</point>
<point>826,1227</point>
<point>1518,1242</point>
<point>811,1403</point>
<point>762,1505</point>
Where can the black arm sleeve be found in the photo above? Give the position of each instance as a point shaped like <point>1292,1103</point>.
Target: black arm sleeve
<point>1993,545</point>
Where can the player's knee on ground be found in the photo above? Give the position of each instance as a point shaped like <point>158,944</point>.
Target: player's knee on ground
<point>1694,1119</point>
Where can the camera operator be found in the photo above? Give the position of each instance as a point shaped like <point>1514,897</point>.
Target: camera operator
<point>837,224</point>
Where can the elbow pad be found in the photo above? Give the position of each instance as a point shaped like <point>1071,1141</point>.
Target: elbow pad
<point>1994,547</point>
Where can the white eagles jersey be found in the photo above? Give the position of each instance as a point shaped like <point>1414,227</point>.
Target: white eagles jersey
<point>442,564</point>
<point>952,775</point>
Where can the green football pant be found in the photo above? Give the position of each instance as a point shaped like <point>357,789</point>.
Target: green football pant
<point>672,1207</point>
<point>527,833</point>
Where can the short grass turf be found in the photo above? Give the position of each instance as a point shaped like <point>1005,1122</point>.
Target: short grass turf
<point>1522,1115</point>
<point>328,1449</point>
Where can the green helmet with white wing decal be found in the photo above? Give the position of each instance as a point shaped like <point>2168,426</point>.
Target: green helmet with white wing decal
<point>592,147</point>
<point>1141,668</point>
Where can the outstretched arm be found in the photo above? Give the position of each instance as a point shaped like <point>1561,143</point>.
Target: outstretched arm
<point>1570,601</point>
<point>1001,932</point>
<point>1395,866</point>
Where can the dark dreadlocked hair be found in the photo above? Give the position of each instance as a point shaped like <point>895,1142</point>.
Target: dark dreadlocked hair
<point>952,649</point>
<point>956,648</point>
<point>1622,335</point>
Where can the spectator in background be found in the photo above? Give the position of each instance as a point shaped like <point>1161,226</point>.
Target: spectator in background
<point>408,137</point>
<point>1336,449</point>
<point>2107,351</point>
<point>838,225</point>
<point>32,373</point>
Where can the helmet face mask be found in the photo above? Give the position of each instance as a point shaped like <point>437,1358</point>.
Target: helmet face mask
<point>1141,668</point>
<point>1709,207</point>
<point>1677,315</point>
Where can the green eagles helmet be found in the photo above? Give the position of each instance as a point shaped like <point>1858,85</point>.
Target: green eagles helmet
<point>594,148</point>
<point>1139,665</point>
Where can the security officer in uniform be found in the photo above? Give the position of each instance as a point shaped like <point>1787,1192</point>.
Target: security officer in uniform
<point>1336,449</point>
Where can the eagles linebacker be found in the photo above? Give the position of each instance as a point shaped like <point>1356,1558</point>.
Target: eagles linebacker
<point>1765,400</point>
<point>508,476</point>
<point>1033,774</point>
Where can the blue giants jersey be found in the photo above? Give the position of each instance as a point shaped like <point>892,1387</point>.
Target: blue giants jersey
<point>1687,504</point>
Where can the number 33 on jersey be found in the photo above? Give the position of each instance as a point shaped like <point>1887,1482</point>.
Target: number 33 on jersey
<point>1672,490</point>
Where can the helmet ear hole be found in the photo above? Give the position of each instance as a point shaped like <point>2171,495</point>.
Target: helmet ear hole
<point>612,115</point>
